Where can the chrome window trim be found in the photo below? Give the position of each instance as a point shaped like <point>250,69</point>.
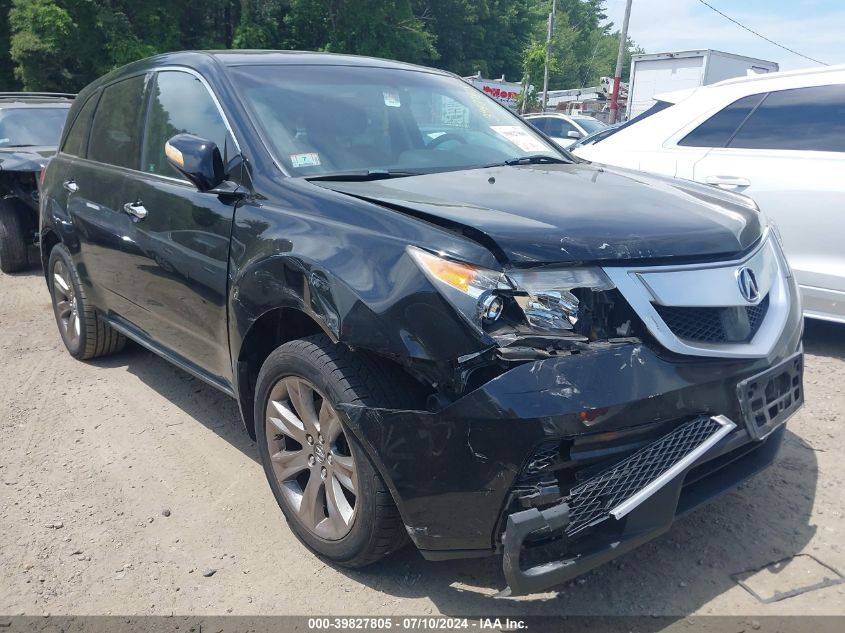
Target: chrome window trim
<point>631,283</point>
<point>191,71</point>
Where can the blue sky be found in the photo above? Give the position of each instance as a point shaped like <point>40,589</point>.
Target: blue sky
<point>813,27</point>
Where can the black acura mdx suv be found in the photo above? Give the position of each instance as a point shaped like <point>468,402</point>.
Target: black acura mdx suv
<point>436,324</point>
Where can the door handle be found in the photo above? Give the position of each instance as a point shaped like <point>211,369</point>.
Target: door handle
<point>71,186</point>
<point>727,182</point>
<point>136,210</point>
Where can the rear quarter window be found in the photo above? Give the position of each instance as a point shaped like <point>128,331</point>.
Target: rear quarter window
<point>718,130</point>
<point>76,141</point>
<point>809,119</point>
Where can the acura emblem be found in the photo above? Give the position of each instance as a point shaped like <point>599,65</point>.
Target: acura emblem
<point>748,287</point>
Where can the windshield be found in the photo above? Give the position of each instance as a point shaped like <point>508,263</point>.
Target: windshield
<point>591,125</point>
<point>40,127</point>
<point>658,106</point>
<point>321,120</point>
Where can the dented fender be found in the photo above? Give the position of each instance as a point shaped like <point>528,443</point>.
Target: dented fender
<point>343,263</point>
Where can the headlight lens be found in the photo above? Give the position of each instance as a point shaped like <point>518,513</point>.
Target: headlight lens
<point>470,289</point>
<point>549,303</point>
<point>543,299</point>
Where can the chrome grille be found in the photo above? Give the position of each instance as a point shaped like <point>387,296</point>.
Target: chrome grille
<point>593,500</point>
<point>715,325</point>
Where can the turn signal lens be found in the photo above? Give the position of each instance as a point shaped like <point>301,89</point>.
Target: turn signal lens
<point>468,279</point>
<point>457,275</point>
<point>470,289</point>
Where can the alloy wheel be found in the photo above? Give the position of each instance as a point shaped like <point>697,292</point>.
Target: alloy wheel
<point>311,458</point>
<point>65,304</point>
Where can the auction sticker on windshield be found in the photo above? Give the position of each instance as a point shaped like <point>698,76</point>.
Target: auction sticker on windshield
<point>520,137</point>
<point>309,159</point>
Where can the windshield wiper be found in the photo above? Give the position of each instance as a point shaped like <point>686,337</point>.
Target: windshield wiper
<point>534,159</point>
<point>363,176</point>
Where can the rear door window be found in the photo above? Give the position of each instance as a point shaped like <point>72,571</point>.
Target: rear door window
<point>719,128</point>
<point>116,131</point>
<point>76,141</point>
<point>810,119</point>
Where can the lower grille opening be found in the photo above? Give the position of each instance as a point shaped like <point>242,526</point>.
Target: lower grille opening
<point>602,486</point>
<point>594,499</point>
<point>734,324</point>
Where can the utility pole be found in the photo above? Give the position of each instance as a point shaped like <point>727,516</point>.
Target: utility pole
<point>550,32</point>
<point>620,60</point>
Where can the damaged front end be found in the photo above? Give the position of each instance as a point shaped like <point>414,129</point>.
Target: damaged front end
<point>19,176</point>
<point>579,434</point>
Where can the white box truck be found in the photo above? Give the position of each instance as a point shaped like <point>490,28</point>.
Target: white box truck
<point>656,73</point>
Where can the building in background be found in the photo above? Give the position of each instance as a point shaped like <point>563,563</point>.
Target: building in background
<point>656,73</point>
<point>505,92</point>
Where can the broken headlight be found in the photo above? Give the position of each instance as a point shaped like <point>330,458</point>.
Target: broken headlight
<point>549,302</point>
<point>542,301</point>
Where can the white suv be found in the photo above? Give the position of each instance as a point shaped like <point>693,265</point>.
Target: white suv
<point>779,138</point>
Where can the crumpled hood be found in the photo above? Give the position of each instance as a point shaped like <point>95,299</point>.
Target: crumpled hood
<point>30,159</point>
<point>573,213</point>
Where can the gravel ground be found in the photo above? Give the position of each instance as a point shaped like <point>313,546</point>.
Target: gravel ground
<point>125,483</point>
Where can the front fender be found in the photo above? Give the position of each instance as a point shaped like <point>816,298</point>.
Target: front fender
<point>356,281</point>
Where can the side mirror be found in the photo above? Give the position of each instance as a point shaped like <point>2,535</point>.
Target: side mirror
<point>574,134</point>
<point>197,159</point>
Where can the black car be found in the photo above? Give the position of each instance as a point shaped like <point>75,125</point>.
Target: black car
<point>438,327</point>
<point>30,126</point>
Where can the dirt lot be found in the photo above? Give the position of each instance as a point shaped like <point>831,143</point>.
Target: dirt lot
<point>93,455</point>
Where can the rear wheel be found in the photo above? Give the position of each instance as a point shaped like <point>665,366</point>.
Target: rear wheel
<point>332,496</point>
<point>83,332</point>
<point>13,245</point>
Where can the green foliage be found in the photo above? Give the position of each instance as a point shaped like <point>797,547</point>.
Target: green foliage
<point>7,66</point>
<point>383,28</point>
<point>582,50</point>
<point>64,44</point>
<point>40,44</point>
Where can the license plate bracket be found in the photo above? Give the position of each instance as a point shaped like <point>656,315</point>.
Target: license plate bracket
<point>769,398</point>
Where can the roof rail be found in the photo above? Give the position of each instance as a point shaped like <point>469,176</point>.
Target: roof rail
<point>37,95</point>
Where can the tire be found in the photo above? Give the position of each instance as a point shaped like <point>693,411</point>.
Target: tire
<point>83,332</point>
<point>13,246</point>
<point>335,375</point>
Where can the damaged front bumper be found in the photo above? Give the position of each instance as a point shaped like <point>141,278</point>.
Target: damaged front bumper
<point>496,469</point>
<point>638,498</point>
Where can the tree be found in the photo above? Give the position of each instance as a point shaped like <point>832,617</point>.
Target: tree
<point>479,35</point>
<point>41,45</point>
<point>65,44</point>
<point>262,24</point>
<point>583,49</point>
<point>383,28</point>
<point>7,65</point>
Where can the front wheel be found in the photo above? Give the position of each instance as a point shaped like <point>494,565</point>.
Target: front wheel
<point>332,496</point>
